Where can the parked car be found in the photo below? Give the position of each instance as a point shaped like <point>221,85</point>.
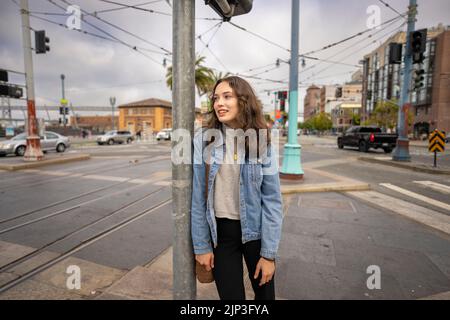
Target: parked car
<point>366,138</point>
<point>165,134</point>
<point>115,136</point>
<point>51,141</point>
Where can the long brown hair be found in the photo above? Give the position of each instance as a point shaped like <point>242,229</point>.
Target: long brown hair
<point>250,111</point>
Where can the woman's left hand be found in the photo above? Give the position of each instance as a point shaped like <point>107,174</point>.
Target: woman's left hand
<point>267,269</point>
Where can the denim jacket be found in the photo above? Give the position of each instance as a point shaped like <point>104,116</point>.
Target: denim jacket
<point>260,200</point>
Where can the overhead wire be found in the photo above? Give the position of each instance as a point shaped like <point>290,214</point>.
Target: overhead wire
<point>118,28</point>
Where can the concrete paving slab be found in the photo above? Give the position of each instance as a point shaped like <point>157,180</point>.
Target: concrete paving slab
<point>11,251</point>
<point>439,296</point>
<point>94,277</point>
<point>144,284</point>
<point>6,277</point>
<point>33,262</point>
<point>14,164</point>
<point>34,290</point>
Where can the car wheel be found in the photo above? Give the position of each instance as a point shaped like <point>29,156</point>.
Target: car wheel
<point>387,150</point>
<point>129,140</point>
<point>20,151</point>
<point>99,143</point>
<point>363,146</point>
<point>60,147</point>
<point>340,144</point>
<point>110,142</point>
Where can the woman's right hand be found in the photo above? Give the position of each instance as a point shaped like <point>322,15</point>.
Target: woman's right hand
<point>206,260</point>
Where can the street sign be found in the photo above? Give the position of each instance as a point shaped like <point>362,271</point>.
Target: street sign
<point>436,143</point>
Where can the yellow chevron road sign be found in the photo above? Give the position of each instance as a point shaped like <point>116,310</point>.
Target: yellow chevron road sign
<point>436,142</point>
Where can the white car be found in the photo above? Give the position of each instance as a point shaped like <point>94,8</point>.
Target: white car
<point>50,141</point>
<point>164,134</point>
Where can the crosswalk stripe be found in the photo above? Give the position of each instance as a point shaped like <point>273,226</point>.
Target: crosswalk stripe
<point>435,186</point>
<point>417,196</point>
<point>420,214</point>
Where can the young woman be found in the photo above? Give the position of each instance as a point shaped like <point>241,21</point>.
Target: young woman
<point>236,205</point>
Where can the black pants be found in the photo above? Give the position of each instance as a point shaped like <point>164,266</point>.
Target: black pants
<point>228,267</point>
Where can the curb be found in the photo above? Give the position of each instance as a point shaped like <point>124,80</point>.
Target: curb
<point>405,166</point>
<point>326,187</point>
<point>30,165</point>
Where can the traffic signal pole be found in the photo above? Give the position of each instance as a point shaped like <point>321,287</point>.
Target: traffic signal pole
<point>292,167</point>
<point>33,151</point>
<point>401,152</point>
<point>183,97</point>
<point>63,105</point>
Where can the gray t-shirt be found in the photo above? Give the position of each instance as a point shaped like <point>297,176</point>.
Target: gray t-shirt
<point>226,190</point>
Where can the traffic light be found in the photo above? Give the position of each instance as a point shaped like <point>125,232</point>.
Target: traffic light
<point>41,42</point>
<point>63,110</point>
<point>418,46</point>
<point>283,105</point>
<point>282,95</point>
<point>15,92</point>
<point>4,75</point>
<point>339,92</point>
<point>11,91</point>
<point>419,79</point>
<point>395,53</point>
<point>230,8</point>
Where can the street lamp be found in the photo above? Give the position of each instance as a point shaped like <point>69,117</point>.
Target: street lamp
<point>112,101</point>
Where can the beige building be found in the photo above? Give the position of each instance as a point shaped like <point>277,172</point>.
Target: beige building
<point>383,81</point>
<point>327,97</point>
<point>343,115</point>
<point>150,114</point>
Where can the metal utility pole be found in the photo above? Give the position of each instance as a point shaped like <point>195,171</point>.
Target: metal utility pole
<point>63,103</point>
<point>112,101</point>
<point>292,167</point>
<point>401,152</point>
<point>33,151</point>
<point>183,97</point>
<point>74,116</point>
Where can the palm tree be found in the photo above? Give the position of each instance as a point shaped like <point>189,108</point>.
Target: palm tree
<point>204,77</point>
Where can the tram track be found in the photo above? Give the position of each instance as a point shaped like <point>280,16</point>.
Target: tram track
<point>83,244</point>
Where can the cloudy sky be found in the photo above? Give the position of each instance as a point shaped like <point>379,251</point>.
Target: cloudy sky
<point>97,68</point>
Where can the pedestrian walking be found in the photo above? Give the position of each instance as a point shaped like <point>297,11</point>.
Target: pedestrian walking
<point>138,135</point>
<point>236,207</point>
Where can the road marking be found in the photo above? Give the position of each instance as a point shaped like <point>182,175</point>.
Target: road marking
<point>353,207</point>
<point>328,162</point>
<point>162,183</point>
<point>435,186</point>
<point>417,196</point>
<point>106,178</point>
<point>420,214</point>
